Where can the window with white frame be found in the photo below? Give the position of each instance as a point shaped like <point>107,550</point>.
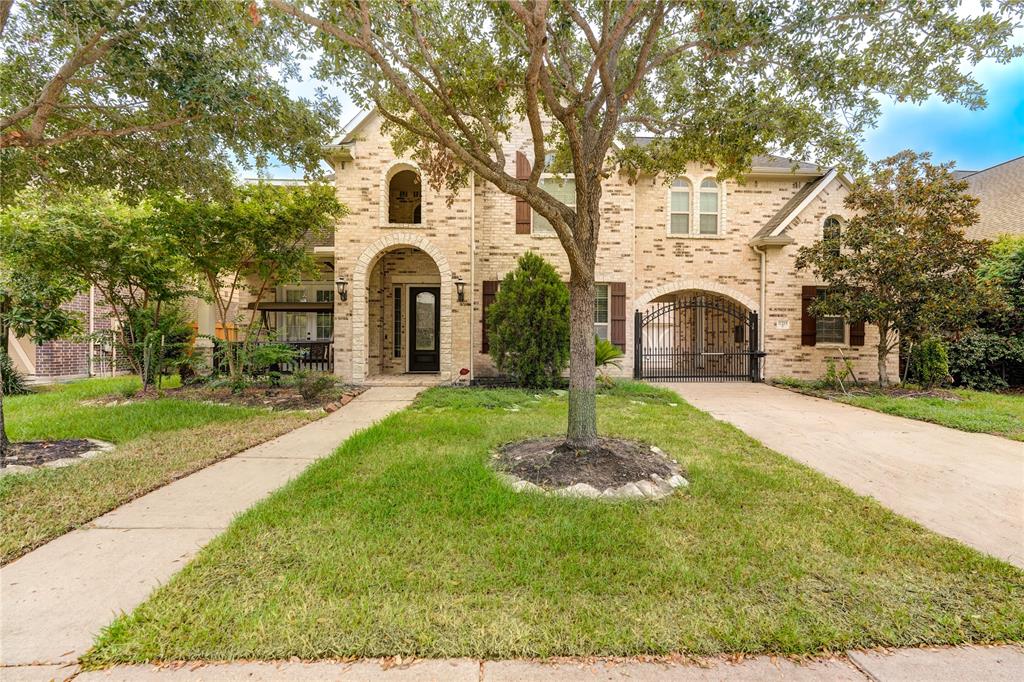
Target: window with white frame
<point>709,191</point>
<point>306,326</point>
<point>601,327</point>
<point>324,326</point>
<point>563,189</point>
<point>679,207</point>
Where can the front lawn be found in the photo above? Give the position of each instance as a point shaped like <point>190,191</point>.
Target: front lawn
<point>404,542</point>
<point>158,441</point>
<point>1001,414</point>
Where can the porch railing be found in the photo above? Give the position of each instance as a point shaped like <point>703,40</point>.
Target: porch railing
<point>313,356</point>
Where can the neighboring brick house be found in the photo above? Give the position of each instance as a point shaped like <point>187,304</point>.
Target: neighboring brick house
<point>693,255</point>
<point>1001,192</point>
<point>63,359</point>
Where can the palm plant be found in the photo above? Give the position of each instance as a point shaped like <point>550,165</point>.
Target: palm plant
<point>606,354</point>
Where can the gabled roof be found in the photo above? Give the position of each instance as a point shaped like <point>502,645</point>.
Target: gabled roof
<point>962,174</point>
<point>777,224</point>
<point>1000,190</point>
<point>354,124</point>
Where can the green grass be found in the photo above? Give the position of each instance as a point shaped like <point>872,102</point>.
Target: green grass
<point>58,412</point>
<point>404,542</point>
<point>976,411</point>
<point>157,440</point>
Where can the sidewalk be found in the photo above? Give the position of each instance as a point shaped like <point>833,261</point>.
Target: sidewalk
<point>57,598</point>
<point>963,664</point>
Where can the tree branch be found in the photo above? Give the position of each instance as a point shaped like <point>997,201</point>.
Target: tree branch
<point>16,139</point>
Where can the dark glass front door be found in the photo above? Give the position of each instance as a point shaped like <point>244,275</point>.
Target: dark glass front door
<point>424,329</point>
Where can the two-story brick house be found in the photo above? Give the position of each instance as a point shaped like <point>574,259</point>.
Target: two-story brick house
<point>410,274</point>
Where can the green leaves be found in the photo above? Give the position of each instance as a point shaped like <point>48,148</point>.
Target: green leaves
<point>904,263</point>
<point>150,94</point>
<point>259,229</point>
<point>528,323</point>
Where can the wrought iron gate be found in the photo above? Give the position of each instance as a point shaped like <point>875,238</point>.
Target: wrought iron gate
<point>699,338</point>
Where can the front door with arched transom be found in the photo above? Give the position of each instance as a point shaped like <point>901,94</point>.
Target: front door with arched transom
<point>424,329</point>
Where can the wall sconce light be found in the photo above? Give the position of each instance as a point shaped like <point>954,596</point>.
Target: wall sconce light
<point>342,285</point>
<point>460,288</point>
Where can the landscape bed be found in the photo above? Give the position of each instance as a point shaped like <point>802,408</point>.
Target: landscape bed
<point>405,542</point>
<point>157,441</point>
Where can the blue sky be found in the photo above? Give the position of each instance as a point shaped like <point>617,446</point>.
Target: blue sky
<point>972,139</point>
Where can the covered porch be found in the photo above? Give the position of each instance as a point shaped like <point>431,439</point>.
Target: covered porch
<point>301,316</point>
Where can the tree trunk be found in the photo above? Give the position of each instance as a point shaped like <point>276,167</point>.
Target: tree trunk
<point>582,429</point>
<point>883,356</point>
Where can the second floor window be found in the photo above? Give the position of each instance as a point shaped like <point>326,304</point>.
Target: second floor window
<point>679,207</point>
<point>404,196</point>
<point>709,206</point>
<point>831,232</point>
<point>563,189</point>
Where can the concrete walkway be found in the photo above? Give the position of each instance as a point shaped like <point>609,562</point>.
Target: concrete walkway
<point>57,598</point>
<point>968,486</point>
<point>965,664</point>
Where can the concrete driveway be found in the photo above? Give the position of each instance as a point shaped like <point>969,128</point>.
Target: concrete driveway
<point>967,486</point>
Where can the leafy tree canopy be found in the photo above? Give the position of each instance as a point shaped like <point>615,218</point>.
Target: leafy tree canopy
<point>903,262</point>
<point>1003,270</point>
<point>96,238</point>
<point>255,237</point>
<point>136,94</point>
<point>718,82</point>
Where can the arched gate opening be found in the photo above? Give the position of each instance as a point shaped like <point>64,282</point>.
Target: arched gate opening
<point>696,336</point>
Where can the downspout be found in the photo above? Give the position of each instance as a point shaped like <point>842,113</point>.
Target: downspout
<point>92,330</point>
<point>762,313</point>
<point>472,273</point>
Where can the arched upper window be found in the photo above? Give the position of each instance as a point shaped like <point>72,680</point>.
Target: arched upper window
<point>831,232</point>
<point>404,195</point>
<point>679,207</point>
<point>709,206</point>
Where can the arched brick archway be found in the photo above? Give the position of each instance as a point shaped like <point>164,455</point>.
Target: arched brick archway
<point>360,311</point>
<point>698,285</point>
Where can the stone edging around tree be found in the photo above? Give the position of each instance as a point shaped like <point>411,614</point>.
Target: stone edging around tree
<point>652,488</point>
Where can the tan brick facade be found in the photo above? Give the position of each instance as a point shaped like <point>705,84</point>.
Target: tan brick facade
<point>473,239</point>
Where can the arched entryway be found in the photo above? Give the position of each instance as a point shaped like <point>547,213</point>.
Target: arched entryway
<point>401,309</point>
<point>695,335</point>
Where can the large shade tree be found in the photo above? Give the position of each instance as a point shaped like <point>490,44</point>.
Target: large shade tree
<point>136,94</point>
<point>719,82</point>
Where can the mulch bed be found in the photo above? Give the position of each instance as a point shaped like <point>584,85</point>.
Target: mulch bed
<point>868,391</point>
<point>37,453</point>
<point>275,398</point>
<point>270,397</point>
<point>549,463</point>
